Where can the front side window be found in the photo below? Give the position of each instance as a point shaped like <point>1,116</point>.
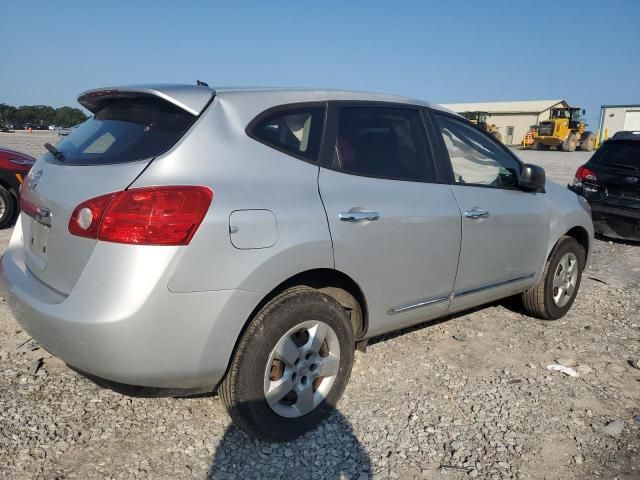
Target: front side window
<point>297,131</point>
<point>477,159</point>
<point>381,142</point>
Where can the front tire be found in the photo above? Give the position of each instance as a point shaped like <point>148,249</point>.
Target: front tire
<point>8,208</point>
<point>588,144</point>
<point>554,295</point>
<point>291,365</point>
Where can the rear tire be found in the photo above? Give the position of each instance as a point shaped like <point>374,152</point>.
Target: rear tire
<point>8,208</point>
<point>569,145</point>
<point>270,394</point>
<point>551,299</point>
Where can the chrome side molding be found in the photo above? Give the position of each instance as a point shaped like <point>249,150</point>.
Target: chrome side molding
<point>418,304</point>
<point>461,293</point>
<point>469,291</point>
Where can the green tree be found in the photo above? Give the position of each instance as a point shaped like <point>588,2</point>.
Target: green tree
<point>68,117</point>
<point>40,114</point>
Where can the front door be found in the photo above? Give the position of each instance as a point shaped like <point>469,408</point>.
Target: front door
<point>504,229</point>
<point>395,231</point>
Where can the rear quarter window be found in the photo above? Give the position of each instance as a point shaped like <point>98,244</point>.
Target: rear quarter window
<point>125,130</point>
<point>294,130</point>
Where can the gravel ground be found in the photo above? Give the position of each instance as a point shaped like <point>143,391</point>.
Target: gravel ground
<point>467,397</point>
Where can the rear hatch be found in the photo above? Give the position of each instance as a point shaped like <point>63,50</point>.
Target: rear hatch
<point>616,165</point>
<point>129,127</point>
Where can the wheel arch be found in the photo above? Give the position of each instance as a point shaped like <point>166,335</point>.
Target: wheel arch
<point>581,235</point>
<point>334,283</point>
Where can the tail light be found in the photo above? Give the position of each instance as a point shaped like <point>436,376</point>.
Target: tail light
<point>582,174</point>
<point>143,216</point>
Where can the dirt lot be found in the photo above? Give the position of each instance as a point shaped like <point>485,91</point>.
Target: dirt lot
<point>468,397</point>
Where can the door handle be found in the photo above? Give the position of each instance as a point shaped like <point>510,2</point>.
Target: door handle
<point>477,213</point>
<point>358,216</point>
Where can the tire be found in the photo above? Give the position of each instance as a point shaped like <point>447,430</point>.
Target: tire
<point>8,208</point>
<point>588,144</point>
<point>542,146</point>
<point>569,145</point>
<point>539,301</point>
<point>254,371</point>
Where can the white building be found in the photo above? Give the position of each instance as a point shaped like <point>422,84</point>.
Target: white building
<point>614,118</point>
<point>513,119</point>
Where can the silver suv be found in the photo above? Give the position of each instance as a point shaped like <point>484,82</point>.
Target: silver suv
<point>250,240</point>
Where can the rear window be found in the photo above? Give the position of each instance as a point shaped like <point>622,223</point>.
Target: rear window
<point>621,154</point>
<point>125,130</point>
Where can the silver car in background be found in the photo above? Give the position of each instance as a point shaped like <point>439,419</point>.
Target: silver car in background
<point>248,240</point>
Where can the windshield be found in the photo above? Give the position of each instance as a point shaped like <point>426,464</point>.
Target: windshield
<point>620,154</point>
<point>563,113</point>
<point>125,130</point>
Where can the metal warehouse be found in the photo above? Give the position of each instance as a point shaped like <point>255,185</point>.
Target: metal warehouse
<point>513,119</point>
<point>614,118</point>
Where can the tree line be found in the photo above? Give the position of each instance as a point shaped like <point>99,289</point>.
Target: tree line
<point>40,115</point>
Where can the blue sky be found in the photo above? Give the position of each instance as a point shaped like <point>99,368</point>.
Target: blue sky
<point>587,52</point>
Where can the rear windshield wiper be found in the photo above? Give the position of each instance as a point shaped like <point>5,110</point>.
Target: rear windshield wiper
<point>54,151</point>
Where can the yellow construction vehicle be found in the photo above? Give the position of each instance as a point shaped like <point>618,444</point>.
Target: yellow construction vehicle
<point>480,120</point>
<point>564,130</point>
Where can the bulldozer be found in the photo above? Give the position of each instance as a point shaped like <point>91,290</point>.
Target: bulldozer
<point>564,130</point>
<point>479,119</point>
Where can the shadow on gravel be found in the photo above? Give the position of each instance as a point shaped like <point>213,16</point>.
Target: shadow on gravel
<point>619,241</point>
<point>436,321</point>
<point>330,451</point>
<point>143,392</point>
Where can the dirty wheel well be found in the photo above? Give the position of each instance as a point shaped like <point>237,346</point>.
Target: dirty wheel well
<point>581,236</point>
<point>335,284</point>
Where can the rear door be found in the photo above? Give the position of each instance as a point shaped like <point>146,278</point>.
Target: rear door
<point>504,229</point>
<point>104,154</point>
<point>395,227</point>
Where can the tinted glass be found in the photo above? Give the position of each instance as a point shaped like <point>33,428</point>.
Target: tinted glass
<point>621,154</point>
<point>381,142</point>
<point>125,130</point>
<point>297,131</point>
<point>475,157</point>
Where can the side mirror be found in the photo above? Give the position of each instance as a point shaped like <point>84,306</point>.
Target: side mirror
<point>532,178</point>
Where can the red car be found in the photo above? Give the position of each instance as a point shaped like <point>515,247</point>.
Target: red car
<point>14,166</point>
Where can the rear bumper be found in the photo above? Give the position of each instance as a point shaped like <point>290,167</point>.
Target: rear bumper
<point>123,324</point>
<point>616,222</point>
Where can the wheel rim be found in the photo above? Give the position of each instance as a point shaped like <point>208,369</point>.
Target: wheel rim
<point>565,279</point>
<point>3,207</point>
<point>302,368</point>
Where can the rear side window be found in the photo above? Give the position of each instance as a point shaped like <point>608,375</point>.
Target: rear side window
<point>125,130</point>
<point>619,154</point>
<point>295,130</point>
<point>382,142</point>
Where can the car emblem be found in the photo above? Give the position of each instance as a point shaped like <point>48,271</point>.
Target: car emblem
<point>34,179</point>
<point>631,179</point>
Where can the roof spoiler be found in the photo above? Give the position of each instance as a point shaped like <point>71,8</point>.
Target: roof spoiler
<point>190,98</point>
